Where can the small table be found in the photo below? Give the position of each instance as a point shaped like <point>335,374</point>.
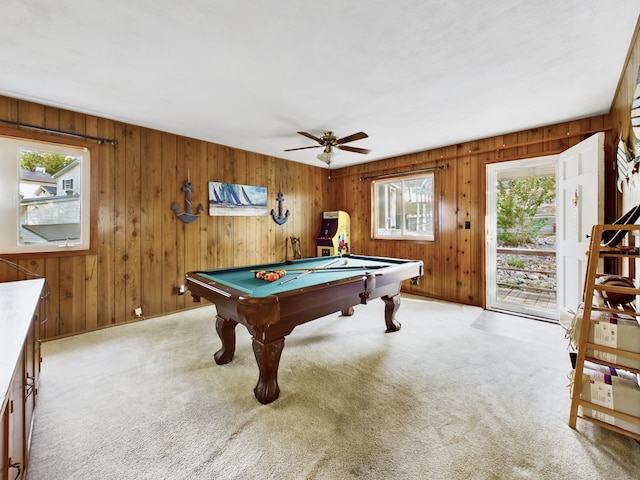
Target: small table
<point>271,310</point>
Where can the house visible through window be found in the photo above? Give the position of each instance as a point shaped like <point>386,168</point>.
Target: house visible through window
<point>404,207</point>
<point>47,188</point>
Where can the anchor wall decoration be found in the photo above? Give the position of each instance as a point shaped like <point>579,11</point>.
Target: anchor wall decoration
<point>279,219</point>
<point>187,216</point>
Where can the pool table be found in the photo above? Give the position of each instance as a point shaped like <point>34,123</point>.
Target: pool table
<point>310,289</point>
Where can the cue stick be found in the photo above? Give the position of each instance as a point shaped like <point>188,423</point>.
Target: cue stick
<point>327,269</point>
<point>300,275</point>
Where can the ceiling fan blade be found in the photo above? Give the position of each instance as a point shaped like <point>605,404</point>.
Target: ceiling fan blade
<point>353,149</point>
<point>302,148</point>
<point>308,135</point>
<point>352,138</point>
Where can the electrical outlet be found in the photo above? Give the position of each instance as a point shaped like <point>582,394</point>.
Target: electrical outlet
<point>138,312</point>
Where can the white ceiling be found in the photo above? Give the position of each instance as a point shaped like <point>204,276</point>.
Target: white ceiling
<point>412,74</point>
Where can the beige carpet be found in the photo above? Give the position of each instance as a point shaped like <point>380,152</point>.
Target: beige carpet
<point>457,393</point>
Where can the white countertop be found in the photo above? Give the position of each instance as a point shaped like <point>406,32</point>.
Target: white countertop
<point>18,303</point>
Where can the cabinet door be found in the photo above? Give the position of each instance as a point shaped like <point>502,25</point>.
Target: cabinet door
<point>4,432</point>
<point>16,436</point>
<point>30,381</point>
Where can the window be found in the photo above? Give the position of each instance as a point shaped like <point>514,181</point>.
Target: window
<point>67,185</point>
<point>47,202</point>
<point>403,207</point>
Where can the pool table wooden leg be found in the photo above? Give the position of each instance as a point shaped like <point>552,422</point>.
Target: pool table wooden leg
<point>391,305</point>
<point>227,332</point>
<point>347,312</point>
<point>268,359</point>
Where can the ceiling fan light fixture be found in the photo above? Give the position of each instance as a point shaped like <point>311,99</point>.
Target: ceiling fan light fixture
<point>328,157</point>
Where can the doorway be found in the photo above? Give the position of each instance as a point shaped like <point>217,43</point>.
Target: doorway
<point>579,174</point>
<point>521,238</point>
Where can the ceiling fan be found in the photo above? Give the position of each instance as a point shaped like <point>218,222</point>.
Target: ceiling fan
<point>329,141</point>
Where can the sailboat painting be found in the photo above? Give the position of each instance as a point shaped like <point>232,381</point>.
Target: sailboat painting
<point>233,200</point>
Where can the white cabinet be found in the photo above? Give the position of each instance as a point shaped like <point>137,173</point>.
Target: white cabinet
<point>21,318</point>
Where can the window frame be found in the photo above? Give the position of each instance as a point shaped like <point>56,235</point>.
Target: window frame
<point>56,250</point>
<point>403,236</point>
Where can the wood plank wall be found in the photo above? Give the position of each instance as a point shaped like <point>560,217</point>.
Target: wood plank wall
<point>621,108</point>
<point>143,250</point>
<point>454,262</point>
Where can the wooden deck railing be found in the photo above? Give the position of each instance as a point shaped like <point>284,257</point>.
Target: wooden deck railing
<point>529,252</point>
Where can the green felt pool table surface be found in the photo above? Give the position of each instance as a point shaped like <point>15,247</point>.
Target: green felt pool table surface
<point>337,268</point>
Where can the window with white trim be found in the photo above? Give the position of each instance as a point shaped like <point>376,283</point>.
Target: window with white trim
<point>46,196</point>
<point>403,207</point>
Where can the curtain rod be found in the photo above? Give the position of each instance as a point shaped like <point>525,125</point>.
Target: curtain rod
<point>395,174</point>
<point>100,140</point>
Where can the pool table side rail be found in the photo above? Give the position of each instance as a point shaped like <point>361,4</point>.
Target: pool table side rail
<point>207,285</point>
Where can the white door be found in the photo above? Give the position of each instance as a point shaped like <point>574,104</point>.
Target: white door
<point>579,206</point>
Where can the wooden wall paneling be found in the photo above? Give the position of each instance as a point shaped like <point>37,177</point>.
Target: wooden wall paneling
<point>8,273</point>
<point>272,247</point>
<point>225,223</point>
<point>506,152</point>
<point>537,149</point>
<point>453,263</point>
<point>213,231</point>
<point>121,170</point>
<point>31,113</point>
<point>288,172</point>
<point>553,131</point>
<point>34,266</point>
<point>190,253</point>
<point>52,274</point>
<point>164,159</point>
<point>621,106</point>
<point>9,108</point>
<point>356,200</point>
<point>65,296</point>
<point>298,206</point>
<point>302,179</point>
<point>273,178</point>
<point>91,292</point>
<point>201,197</point>
<point>306,211</point>
<point>448,238</point>
<point>153,204</point>
<point>90,127</point>
<point>240,223</point>
<point>307,208</point>
<point>72,121</point>
<point>183,261</point>
<point>477,240</point>
<point>467,277</point>
<point>522,138</point>
<point>72,295</point>
<point>258,164</point>
<point>64,269</point>
<point>106,232</point>
<point>128,137</point>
